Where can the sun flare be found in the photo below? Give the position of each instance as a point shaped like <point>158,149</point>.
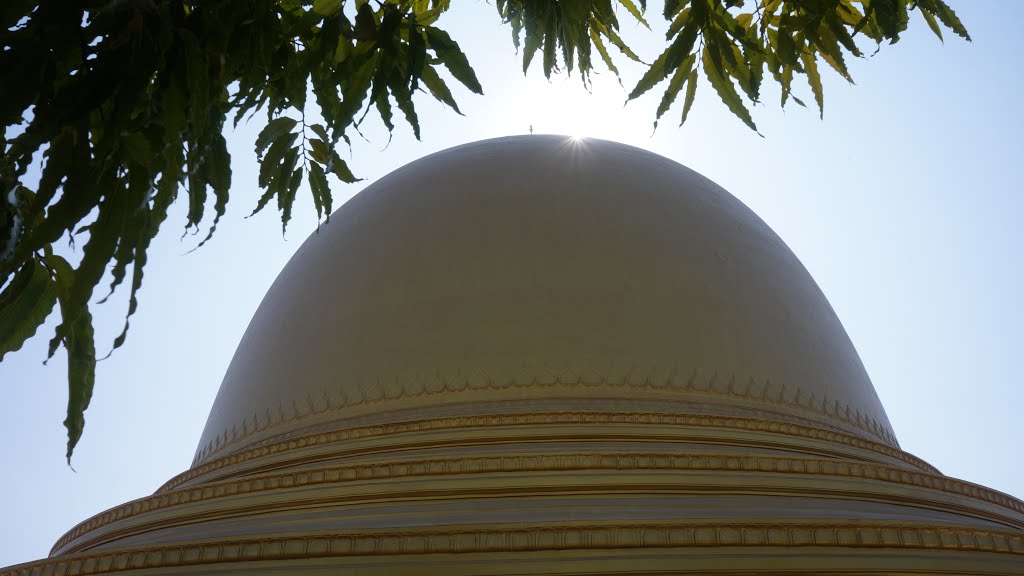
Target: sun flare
<point>564,106</point>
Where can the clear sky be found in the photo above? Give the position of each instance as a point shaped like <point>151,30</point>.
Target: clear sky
<point>904,204</point>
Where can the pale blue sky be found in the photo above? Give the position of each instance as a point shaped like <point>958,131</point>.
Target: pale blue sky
<point>904,204</point>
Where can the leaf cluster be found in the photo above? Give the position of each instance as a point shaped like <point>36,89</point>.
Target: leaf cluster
<point>124,104</point>
<point>735,43</point>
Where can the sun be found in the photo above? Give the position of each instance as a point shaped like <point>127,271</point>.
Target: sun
<point>565,106</point>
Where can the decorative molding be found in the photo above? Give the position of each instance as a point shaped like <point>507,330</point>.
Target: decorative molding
<point>533,419</point>
<point>863,535</point>
<point>379,391</point>
<point>542,463</point>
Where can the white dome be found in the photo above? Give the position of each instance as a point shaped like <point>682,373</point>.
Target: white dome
<point>544,270</point>
<point>573,357</point>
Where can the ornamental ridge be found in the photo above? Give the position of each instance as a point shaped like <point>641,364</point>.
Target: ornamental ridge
<point>540,463</point>
<point>378,392</point>
<point>871,535</point>
<point>274,446</point>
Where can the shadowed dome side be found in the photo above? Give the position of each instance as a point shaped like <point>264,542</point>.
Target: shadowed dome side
<point>544,270</point>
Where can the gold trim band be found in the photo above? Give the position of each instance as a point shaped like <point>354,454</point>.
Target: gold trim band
<point>455,422</point>
<point>539,463</point>
<point>380,391</point>
<point>547,537</point>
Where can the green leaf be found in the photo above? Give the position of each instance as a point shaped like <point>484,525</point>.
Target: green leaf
<point>341,170</point>
<point>404,99</point>
<point>270,169</point>
<point>814,79</point>
<point>671,7</point>
<point>603,51</point>
<point>829,48</point>
<point>353,92</point>
<point>217,171</point>
<point>366,22</point>
<point>550,46</point>
<point>677,24</point>
<point>81,350</point>
<point>320,188</point>
<point>948,17</point>
<point>438,89</point>
<point>272,160</point>
<point>24,305</point>
<point>320,131</point>
<point>272,131</point>
<point>417,55</point>
<point>198,80</point>
<point>288,178</point>
<point>318,150</point>
<point>530,46</point>
<point>635,11</point>
<point>453,58</point>
<point>621,45</point>
<point>668,61</point>
<point>931,23</point>
<point>785,82</point>
<point>97,253</point>
<point>674,87</point>
<point>842,35</point>
<point>691,92</point>
<point>726,91</point>
<point>81,193</point>
<point>150,225</point>
<point>58,163</point>
<point>383,106</point>
<point>327,7</point>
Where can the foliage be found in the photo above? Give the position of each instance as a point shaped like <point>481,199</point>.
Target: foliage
<point>124,103</point>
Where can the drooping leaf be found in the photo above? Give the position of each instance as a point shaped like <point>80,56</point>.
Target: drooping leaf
<point>150,226</point>
<point>946,15</point>
<point>726,91</point>
<point>341,169</point>
<point>81,376</point>
<point>288,178</point>
<point>617,41</point>
<point>814,79</point>
<point>602,50</point>
<point>272,131</point>
<point>832,53</point>
<point>354,90</point>
<point>673,56</point>
<point>24,305</point>
<point>438,89</point>
<point>679,79</point>
<point>691,92</point>
<point>97,253</point>
<point>453,58</point>
<point>321,190</point>
<point>930,19</point>
<point>81,350</point>
<point>635,11</point>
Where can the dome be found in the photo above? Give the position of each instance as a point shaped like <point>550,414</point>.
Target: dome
<point>574,357</point>
<point>540,268</point>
